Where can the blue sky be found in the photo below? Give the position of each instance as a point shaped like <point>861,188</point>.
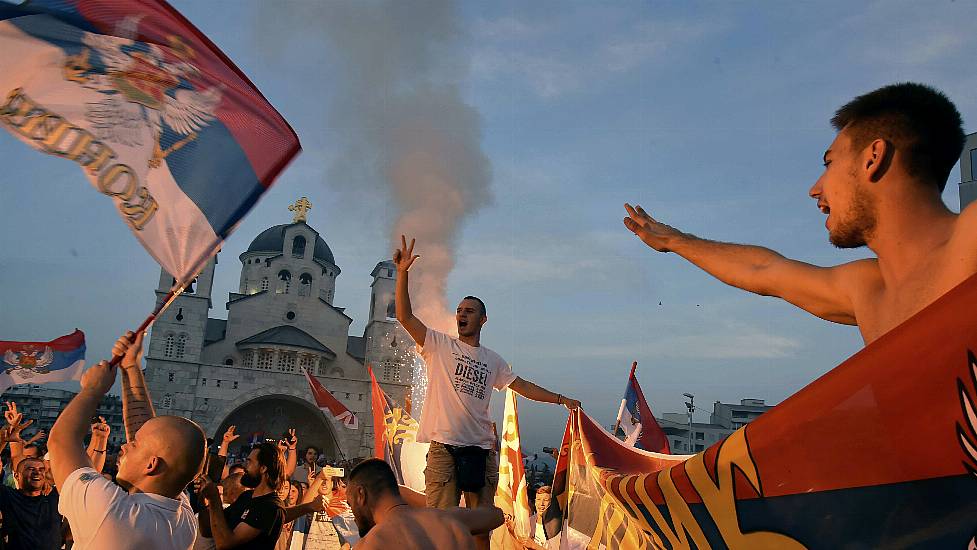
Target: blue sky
<point>712,115</point>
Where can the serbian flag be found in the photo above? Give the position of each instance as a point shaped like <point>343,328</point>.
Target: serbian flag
<point>636,422</point>
<point>329,404</point>
<point>59,360</point>
<point>511,496</point>
<point>395,438</point>
<point>159,119</point>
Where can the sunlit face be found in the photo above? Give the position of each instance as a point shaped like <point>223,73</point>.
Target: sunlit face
<point>841,196</point>
<point>469,317</point>
<point>32,474</point>
<point>356,498</point>
<point>284,490</point>
<point>293,495</point>
<point>133,457</point>
<point>310,455</point>
<point>252,471</point>
<point>542,502</point>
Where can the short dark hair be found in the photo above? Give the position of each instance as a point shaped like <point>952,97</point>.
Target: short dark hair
<point>375,476</point>
<point>480,303</point>
<point>544,490</point>
<point>26,459</point>
<point>311,447</point>
<point>272,458</point>
<point>919,121</point>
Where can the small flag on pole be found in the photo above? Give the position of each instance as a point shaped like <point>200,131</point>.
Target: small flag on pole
<point>329,404</point>
<point>636,421</point>
<point>59,360</point>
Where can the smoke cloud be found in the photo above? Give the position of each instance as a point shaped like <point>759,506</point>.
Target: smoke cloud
<point>404,126</point>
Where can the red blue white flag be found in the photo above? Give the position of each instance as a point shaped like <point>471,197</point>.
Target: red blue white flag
<point>59,360</point>
<point>161,121</point>
<point>636,422</point>
<point>329,404</point>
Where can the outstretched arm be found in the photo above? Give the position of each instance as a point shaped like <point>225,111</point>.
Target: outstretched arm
<point>480,520</point>
<point>68,433</point>
<point>137,406</point>
<point>529,390</point>
<point>403,258</point>
<point>818,290</point>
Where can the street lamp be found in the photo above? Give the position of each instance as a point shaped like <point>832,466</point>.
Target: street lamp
<point>690,404</point>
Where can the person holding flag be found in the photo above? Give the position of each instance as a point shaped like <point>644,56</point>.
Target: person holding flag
<point>461,375</point>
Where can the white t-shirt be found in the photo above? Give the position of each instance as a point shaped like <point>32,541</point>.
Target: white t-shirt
<point>460,379</point>
<point>102,515</point>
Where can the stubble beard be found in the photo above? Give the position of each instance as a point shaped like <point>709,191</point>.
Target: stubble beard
<point>858,225</point>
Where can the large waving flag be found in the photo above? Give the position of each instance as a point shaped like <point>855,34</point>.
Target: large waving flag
<point>329,404</point>
<point>636,422</point>
<point>511,496</point>
<point>161,121</point>
<point>880,452</point>
<point>59,360</point>
<point>395,438</point>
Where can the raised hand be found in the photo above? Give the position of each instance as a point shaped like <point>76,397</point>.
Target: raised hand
<point>101,428</point>
<point>570,403</point>
<point>209,492</point>
<point>404,256</point>
<point>11,415</point>
<point>652,232</point>
<point>39,435</point>
<point>229,436</point>
<point>99,378</point>
<point>292,440</point>
<point>129,346</point>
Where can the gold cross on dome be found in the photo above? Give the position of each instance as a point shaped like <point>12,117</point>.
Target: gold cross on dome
<point>301,209</point>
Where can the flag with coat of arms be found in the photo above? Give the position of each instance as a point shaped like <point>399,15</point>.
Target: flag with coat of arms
<point>59,360</point>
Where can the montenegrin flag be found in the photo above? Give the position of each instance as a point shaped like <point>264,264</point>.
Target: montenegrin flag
<point>880,452</point>
<point>159,119</point>
<point>329,404</point>
<point>59,360</point>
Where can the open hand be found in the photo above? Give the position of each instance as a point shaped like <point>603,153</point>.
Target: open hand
<point>101,428</point>
<point>404,256</point>
<point>129,346</point>
<point>229,436</point>
<point>39,435</point>
<point>12,416</point>
<point>292,440</point>
<point>652,232</point>
<point>209,492</point>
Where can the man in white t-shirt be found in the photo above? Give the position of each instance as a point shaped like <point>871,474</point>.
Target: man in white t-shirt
<point>462,373</point>
<point>148,509</point>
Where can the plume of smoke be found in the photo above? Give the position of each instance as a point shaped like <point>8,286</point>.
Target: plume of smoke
<point>405,128</point>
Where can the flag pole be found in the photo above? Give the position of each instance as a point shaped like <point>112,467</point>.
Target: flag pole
<point>620,411</point>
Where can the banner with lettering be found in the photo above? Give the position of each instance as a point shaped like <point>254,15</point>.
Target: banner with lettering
<point>161,121</point>
<point>512,495</point>
<point>880,452</point>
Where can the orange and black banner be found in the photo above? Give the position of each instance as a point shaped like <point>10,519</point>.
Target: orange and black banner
<point>880,452</point>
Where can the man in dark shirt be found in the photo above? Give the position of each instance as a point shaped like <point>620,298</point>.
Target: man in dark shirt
<point>30,518</point>
<point>254,520</point>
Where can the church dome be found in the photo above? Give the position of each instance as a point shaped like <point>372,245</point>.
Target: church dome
<point>272,240</point>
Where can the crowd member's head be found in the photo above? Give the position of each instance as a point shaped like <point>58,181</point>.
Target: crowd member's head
<point>294,495</point>
<point>371,483</point>
<point>32,451</point>
<point>895,146</point>
<point>163,457</point>
<point>232,487</point>
<point>311,454</point>
<point>235,469</point>
<point>470,316</point>
<point>265,465</point>
<point>543,499</point>
<point>284,490</point>
<point>31,476</point>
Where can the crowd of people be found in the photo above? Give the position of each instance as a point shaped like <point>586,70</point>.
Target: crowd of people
<point>167,489</point>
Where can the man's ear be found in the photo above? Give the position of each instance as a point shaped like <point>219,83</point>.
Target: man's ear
<point>877,158</point>
<point>483,320</point>
<point>154,466</point>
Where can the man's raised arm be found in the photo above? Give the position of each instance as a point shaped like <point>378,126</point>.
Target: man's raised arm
<point>529,390</point>
<point>137,406</point>
<point>821,291</point>
<point>403,258</point>
<point>68,433</point>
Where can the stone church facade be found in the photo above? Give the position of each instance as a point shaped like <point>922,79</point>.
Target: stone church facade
<point>246,370</point>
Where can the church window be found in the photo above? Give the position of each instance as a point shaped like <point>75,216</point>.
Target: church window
<point>170,377</point>
<point>329,296</point>
<point>390,273</point>
<point>286,361</point>
<point>361,397</point>
<point>306,288</point>
<point>264,283</point>
<point>284,281</point>
<point>306,362</point>
<point>167,401</point>
<point>249,359</point>
<point>264,359</point>
<point>347,395</point>
<point>189,288</point>
<point>235,384</point>
<point>168,347</point>
<point>298,247</point>
<point>218,384</point>
<point>203,381</point>
<point>244,287</point>
<point>290,315</point>
<point>229,361</point>
<point>181,346</point>
<point>337,372</point>
<point>391,371</point>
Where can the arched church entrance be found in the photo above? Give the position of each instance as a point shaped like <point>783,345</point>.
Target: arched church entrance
<point>271,416</point>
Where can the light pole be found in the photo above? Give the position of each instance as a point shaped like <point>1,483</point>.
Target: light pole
<point>690,404</point>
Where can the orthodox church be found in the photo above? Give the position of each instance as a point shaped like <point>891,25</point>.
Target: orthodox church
<point>246,371</point>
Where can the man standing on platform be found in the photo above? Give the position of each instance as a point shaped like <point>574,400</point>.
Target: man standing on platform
<point>463,457</point>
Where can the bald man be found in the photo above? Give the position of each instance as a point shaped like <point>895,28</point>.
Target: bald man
<point>386,520</point>
<point>148,509</point>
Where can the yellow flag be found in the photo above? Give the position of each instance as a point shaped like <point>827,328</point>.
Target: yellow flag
<point>511,496</point>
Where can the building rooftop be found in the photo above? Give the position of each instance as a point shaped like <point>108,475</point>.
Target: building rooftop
<point>272,241</point>
<point>287,336</point>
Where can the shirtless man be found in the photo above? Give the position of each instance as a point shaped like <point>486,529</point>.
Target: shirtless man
<point>386,520</point>
<point>881,187</point>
